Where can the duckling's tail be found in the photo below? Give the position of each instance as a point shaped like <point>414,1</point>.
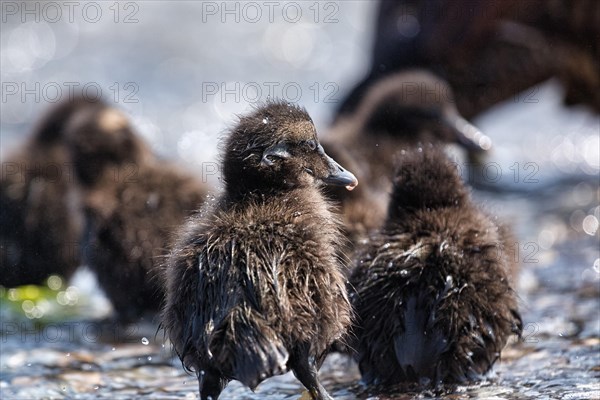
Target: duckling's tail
<point>418,351</point>
<point>248,349</point>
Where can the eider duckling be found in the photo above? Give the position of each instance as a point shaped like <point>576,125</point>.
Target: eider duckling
<point>431,290</point>
<point>133,203</point>
<point>40,220</point>
<point>402,109</point>
<point>255,285</point>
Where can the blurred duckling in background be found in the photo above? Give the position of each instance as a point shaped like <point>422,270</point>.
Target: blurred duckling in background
<point>255,285</point>
<point>40,218</point>
<point>133,202</point>
<point>402,109</point>
<point>431,290</point>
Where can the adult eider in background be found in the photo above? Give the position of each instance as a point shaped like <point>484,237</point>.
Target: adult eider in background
<point>572,28</point>
<point>40,219</point>
<point>133,202</point>
<point>400,110</point>
<point>431,290</point>
<point>255,285</point>
<point>488,51</point>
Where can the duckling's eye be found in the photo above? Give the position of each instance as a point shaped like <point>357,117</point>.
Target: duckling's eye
<point>312,144</point>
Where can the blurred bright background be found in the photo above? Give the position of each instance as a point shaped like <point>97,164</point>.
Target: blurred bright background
<point>182,69</point>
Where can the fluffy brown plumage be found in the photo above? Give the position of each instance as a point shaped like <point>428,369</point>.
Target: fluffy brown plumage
<point>254,284</point>
<point>40,218</point>
<point>431,290</point>
<point>401,110</point>
<point>133,203</point>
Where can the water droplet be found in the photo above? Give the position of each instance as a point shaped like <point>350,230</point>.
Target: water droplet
<point>149,358</point>
<point>54,282</point>
<point>210,326</point>
<point>590,225</point>
<point>404,272</point>
<point>29,364</point>
<point>145,341</point>
<point>96,387</point>
<point>113,349</point>
<point>64,388</point>
<point>265,120</point>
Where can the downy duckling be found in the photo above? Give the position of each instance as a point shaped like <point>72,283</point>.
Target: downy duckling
<point>133,203</point>
<point>431,290</point>
<point>255,285</point>
<point>40,218</point>
<point>400,110</point>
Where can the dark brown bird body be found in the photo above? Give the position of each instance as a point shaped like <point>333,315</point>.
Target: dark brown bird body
<point>40,216</point>
<point>401,110</point>
<point>254,285</point>
<point>431,290</point>
<point>489,51</point>
<point>133,204</point>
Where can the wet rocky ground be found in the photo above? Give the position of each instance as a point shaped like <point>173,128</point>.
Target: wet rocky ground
<point>58,342</point>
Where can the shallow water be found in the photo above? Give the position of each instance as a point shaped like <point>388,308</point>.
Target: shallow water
<point>548,188</point>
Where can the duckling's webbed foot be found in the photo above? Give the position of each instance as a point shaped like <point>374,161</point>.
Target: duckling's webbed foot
<point>305,369</point>
<point>211,385</point>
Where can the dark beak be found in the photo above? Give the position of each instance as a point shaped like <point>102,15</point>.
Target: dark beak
<point>467,134</point>
<point>338,176</point>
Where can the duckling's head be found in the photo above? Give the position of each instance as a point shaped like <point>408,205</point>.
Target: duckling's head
<point>425,178</point>
<point>415,105</point>
<point>276,147</point>
<point>100,137</point>
<point>50,128</point>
